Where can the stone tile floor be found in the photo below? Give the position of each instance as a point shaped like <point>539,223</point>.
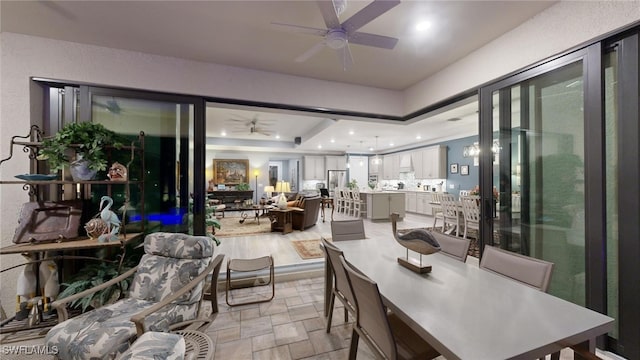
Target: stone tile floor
<point>291,326</point>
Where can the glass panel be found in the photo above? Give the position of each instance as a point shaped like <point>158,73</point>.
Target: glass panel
<point>611,183</point>
<point>540,179</point>
<point>168,165</point>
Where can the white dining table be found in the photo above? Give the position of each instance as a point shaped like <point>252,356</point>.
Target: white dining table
<point>465,312</point>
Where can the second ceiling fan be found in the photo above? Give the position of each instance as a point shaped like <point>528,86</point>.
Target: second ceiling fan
<point>338,35</point>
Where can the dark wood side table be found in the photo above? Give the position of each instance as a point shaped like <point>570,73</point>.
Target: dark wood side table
<point>281,220</point>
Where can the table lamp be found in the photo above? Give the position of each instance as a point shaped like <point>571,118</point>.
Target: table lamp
<point>269,190</point>
<point>282,187</point>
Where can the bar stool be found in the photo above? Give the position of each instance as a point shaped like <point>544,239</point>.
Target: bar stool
<point>250,265</point>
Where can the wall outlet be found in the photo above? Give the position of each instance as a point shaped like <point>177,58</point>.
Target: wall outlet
<point>452,186</point>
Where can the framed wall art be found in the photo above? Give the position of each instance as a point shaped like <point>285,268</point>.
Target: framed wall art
<point>464,169</point>
<point>230,171</point>
<point>453,168</point>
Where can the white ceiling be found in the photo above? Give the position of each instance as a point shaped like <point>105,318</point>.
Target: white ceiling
<point>241,33</point>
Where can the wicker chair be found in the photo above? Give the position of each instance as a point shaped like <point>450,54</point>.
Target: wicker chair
<point>166,293</point>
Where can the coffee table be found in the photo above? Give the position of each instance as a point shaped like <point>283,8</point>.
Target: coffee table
<point>258,210</point>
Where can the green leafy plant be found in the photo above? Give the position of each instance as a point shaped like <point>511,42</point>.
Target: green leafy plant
<point>210,220</point>
<point>242,187</point>
<point>93,275</point>
<point>86,138</point>
<point>353,184</point>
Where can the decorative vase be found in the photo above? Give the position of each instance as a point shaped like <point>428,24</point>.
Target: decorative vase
<point>80,170</point>
<point>282,201</point>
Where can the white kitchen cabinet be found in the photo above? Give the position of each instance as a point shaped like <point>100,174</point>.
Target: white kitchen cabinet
<point>314,168</point>
<point>410,201</point>
<point>375,165</point>
<point>423,203</point>
<point>391,167</point>
<point>335,163</point>
<point>434,163</point>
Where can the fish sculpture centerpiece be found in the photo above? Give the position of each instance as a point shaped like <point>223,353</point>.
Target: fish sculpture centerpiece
<point>418,240</point>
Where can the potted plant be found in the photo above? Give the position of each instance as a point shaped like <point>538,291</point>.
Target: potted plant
<point>243,187</point>
<point>88,141</point>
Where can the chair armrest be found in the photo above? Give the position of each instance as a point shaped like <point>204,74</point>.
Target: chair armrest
<point>60,305</point>
<point>138,318</point>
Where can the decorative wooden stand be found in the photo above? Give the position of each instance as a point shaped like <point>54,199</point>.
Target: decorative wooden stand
<point>416,268</point>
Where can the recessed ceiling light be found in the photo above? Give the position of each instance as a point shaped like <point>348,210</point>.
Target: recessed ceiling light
<point>418,137</point>
<point>350,132</point>
<point>371,149</point>
<point>390,144</point>
<point>333,140</point>
<point>277,136</point>
<point>223,133</point>
<point>319,146</point>
<point>423,25</point>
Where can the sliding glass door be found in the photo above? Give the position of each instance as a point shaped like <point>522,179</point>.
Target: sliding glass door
<point>559,146</point>
<point>168,123</point>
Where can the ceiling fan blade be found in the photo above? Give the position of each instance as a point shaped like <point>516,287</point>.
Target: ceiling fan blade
<point>302,29</point>
<point>329,15</point>
<point>370,12</point>
<point>309,53</point>
<point>263,132</point>
<point>379,41</point>
<point>344,54</point>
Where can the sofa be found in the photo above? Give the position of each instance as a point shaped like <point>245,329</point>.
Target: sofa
<point>305,212</point>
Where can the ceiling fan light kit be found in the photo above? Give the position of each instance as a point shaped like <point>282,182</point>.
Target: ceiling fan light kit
<point>337,36</point>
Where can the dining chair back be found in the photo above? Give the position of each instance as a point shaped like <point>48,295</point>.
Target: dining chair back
<point>527,270</point>
<point>337,199</point>
<point>436,199</point>
<point>450,212</point>
<point>347,230</point>
<point>471,211</point>
<point>341,288</point>
<point>385,334</point>
<point>453,246</point>
<point>357,203</point>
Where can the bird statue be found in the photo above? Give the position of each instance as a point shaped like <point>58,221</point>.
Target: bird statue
<point>111,219</point>
<point>51,286</point>
<point>25,290</point>
<point>44,273</point>
<point>418,240</point>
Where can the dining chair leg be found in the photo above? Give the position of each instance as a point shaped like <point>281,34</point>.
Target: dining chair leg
<point>465,231</point>
<point>353,348</point>
<point>346,315</point>
<point>331,304</point>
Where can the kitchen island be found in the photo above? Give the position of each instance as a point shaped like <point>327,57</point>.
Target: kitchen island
<point>380,204</point>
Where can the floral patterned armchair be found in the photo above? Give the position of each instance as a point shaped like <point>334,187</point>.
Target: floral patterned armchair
<point>166,293</point>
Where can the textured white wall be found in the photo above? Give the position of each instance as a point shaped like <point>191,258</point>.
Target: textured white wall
<point>558,28</point>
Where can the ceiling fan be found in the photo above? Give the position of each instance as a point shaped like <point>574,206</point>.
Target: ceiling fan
<point>255,125</point>
<point>338,35</point>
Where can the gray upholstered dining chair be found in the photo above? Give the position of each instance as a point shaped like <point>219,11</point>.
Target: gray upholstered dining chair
<point>341,289</point>
<point>452,246</point>
<point>347,230</point>
<point>527,270</point>
<point>385,334</point>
